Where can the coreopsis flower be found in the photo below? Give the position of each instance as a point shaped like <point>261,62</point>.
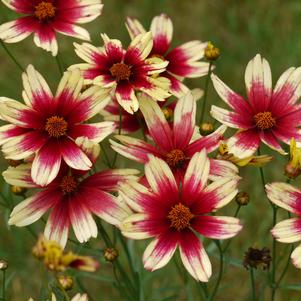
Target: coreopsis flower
<point>256,257</point>
<point>124,72</point>
<point>174,145</point>
<point>44,18</point>
<point>73,197</point>
<point>173,213</point>
<point>269,116</point>
<point>48,125</point>
<point>55,259</point>
<point>183,61</point>
<point>287,197</point>
<point>293,167</point>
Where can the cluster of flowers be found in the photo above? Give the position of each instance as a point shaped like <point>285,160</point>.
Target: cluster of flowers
<point>140,87</point>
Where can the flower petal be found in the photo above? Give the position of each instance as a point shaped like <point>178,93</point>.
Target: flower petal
<point>296,257</point>
<point>134,27</point>
<point>19,176</point>
<point>288,231</point>
<point>45,38</point>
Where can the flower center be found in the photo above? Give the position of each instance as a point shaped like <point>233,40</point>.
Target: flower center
<point>175,158</point>
<point>44,10</point>
<point>56,126</point>
<point>68,184</point>
<point>121,71</point>
<point>180,217</point>
<point>264,120</point>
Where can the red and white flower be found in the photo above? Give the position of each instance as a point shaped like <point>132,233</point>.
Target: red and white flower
<point>73,198</point>
<point>269,116</point>
<point>287,197</point>
<point>124,72</point>
<point>44,18</point>
<point>48,125</point>
<point>174,145</point>
<point>173,213</point>
<point>183,61</point>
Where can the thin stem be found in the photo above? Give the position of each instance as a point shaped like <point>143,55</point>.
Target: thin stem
<point>274,256</point>
<point>221,269</point>
<point>285,269</point>
<point>119,132</point>
<point>83,289</point>
<point>141,126</point>
<point>12,56</point>
<point>107,161</point>
<point>205,94</point>
<point>59,64</point>
<point>253,284</point>
<point>3,285</point>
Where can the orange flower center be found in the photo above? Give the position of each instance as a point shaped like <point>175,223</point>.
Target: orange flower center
<point>56,126</point>
<point>121,71</point>
<point>175,158</point>
<point>180,217</point>
<point>68,184</point>
<point>44,10</point>
<point>264,120</point>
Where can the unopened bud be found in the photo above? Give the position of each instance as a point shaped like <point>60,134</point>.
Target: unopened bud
<point>3,265</point>
<point>212,53</point>
<point>242,198</point>
<point>291,171</point>
<point>17,190</point>
<point>110,254</point>
<point>206,128</point>
<point>168,113</point>
<point>66,282</point>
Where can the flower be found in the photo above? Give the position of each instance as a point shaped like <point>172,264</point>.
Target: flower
<point>110,254</point>
<point>72,197</point>
<point>48,125</point>
<point>124,71</point>
<point>46,17</point>
<point>269,116</point>
<point>183,61</point>
<point>174,145</point>
<point>256,257</point>
<point>212,53</point>
<point>287,197</point>
<point>55,259</point>
<point>172,213</point>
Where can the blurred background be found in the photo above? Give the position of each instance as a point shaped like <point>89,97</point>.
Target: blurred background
<point>240,29</point>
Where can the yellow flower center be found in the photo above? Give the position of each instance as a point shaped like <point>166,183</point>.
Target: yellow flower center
<point>121,71</point>
<point>264,120</point>
<point>56,126</point>
<point>44,10</point>
<point>68,184</point>
<point>175,158</point>
<point>180,217</point>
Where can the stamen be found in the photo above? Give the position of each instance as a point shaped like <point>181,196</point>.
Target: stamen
<point>68,184</point>
<point>44,10</point>
<point>175,158</point>
<point>180,217</point>
<point>56,126</point>
<point>121,71</point>
<point>264,120</point>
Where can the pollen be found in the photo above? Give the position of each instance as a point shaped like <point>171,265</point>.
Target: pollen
<point>180,217</point>
<point>68,184</point>
<point>121,71</point>
<point>175,158</point>
<point>56,126</point>
<point>264,120</point>
<point>44,10</point>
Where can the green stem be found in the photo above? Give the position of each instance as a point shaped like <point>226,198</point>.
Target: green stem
<point>274,257</point>
<point>3,286</point>
<point>119,132</point>
<point>220,272</point>
<point>107,161</point>
<point>205,94</point>
<point>83,289</point>
<point>59,64</point>
<point>252,284</point>
<point>285,269</point>
<point>141,126</point>
<point>11,56</point>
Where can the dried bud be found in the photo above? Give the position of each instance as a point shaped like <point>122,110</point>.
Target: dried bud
<point>212,53</point>
<point>66,282</point>
<point>110,254</point>
<point>242,198</point>
<point>168,113</point>
<point>17,190</point>
<point>206,128</point>
<point>255,257</point>
<point>14,163</point>
<point>291,171</point>
<point>3,265</point>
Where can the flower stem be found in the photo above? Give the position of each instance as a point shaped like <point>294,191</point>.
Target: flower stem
<point>274,256</point>
<point>107,161</point>
<point>285,269</point>
<point>3,286</point>
<point>205,94</point>
<point>119,132</point>
<point>252,284</point>
<point>12,56</point>
<point>221,269</point>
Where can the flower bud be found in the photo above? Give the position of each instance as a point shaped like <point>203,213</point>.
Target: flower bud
<point>212,53</point>
<point>17,190</point>
<point>242,198</point>
<point>110,254</point>
<point>206,128</point>
<point>66,282</point>
<point>256,257</point>
<point>291,171</point>
<point>3,265</point>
